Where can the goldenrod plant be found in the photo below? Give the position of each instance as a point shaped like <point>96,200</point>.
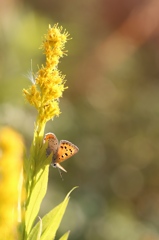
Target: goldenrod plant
<point>24,183</point>
<point>46,89</point>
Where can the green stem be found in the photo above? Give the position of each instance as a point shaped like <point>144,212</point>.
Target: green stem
<point>32,162</point>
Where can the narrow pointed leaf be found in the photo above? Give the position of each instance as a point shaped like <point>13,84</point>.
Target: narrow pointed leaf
<point>65,236</point>
<point>37,195</point>
<point>51,221</point>
<point>37,187</point>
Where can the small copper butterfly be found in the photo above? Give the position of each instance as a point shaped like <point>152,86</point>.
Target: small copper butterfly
<point>61,150</point>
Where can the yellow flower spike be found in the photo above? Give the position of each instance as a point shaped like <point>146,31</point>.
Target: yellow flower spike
<point>49,82</point>
<point>11,152</point>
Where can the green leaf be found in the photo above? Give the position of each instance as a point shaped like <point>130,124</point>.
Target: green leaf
<point>37,185</point>
<point>50,222</point>
<point>37,188</point>
<point>37,194</point>
<point>65,236</point>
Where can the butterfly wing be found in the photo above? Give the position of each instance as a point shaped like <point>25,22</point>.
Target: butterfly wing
<point>61,152</point>
<point>65,150</point>
<point>52,143</point>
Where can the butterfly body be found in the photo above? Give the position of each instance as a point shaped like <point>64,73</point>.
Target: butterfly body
<point>61,150</point>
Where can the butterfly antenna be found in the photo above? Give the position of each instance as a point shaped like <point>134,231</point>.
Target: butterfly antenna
<point>60,173</point>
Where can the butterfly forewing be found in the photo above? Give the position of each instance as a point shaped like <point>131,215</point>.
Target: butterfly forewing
<point>52,143</point>
<point>65,150</point>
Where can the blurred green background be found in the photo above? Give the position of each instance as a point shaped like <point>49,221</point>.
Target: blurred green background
<point>110,110</point>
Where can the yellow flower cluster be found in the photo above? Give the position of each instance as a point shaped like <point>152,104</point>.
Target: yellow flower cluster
<point>49,83</point>
<point>11,152</point>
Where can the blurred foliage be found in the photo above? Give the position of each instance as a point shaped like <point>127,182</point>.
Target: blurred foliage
<point>110,111</point>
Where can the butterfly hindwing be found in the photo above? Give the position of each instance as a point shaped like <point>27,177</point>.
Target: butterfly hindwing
<point>52,143</point>
<point>65,150</point>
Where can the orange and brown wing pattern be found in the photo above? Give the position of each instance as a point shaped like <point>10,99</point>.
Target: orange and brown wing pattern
<point>65,150</point>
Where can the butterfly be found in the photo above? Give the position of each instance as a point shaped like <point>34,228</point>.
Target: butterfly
<point>61,150</point>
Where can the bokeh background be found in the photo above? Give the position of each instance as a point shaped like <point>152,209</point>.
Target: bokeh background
<point>110,110</point>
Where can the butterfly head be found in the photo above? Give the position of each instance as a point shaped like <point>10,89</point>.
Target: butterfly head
<point>57,165</point>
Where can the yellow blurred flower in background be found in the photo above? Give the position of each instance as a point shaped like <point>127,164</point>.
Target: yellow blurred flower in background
<point>11,153</point>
